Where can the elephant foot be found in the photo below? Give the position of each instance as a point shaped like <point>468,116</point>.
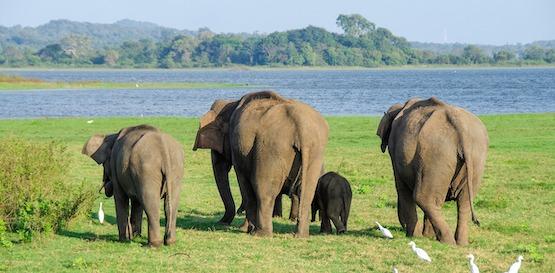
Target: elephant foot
<point>155,244</point>
<point>301,235</point>
<point>449,241</point>
<point>294,219</point>
<point>170,241</point>
<point>462,242</point>
<point>246,227</point>
<point>260,233</point>
<point>341,231</point>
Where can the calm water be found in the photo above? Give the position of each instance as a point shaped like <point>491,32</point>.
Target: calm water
<point>367,92</point>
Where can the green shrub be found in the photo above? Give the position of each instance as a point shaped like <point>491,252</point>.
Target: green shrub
<point>35,192</point>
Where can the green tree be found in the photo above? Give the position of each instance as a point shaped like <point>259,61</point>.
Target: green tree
<point>503,56</point>
<point>534,53</point>
<point>355,24</point>
<point>53,53</point>
<point>474,55</point>
<point>550,55</point>
<point>308,54</point>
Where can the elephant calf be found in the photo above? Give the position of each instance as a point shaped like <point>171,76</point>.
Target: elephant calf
<point>141,165</point>
<point>333,199</point>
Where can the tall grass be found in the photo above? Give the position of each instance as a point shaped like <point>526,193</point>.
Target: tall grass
<point>35,195</point>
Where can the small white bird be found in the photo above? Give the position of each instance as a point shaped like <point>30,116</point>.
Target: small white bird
<point>395,270</point>
<point>420,252</point>
<point>137,85</point>
<point>386,233</point>
<point>100,214</point>
<point>90,121</point>
<point>516,266</point>
<point>472,265</point>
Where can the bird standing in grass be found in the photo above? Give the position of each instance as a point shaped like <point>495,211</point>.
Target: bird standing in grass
<point>420,252</point>
<point>100,214</point>
<point>515,267</point>
<point>395,270</point>
<point>472,265</point>
<point>386,233</point>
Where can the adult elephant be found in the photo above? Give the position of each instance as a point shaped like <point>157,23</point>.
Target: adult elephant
<point>141,165</point>
<point>275,144</point>
<point>438,152</point>
<point>221,162</point>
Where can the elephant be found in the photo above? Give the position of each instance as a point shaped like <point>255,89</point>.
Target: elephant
<point>276,145</point>
<point>333,199</point>
<point>438,154</point>
<point>141,165</point>
<point>221,165</point>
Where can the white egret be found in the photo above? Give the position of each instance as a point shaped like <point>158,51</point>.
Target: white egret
<point>420,252</point>
<point>386,233</point>
<point>395,270</point>
<point>515,267</point>
<point>472,265</point>
<point>90,121</point>
<point>100,214</point>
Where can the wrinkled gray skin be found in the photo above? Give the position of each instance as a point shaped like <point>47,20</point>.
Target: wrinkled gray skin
<point>438,153</point>
<point>141,166</point>
<point>275,144</point>
<point>333,199</point>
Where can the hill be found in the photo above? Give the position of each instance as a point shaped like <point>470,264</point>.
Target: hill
<point>100,35</point>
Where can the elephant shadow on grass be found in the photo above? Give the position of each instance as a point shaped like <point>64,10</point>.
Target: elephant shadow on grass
<point>373,232</point>
<point>203,221</point>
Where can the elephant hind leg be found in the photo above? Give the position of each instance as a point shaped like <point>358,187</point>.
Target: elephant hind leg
<point>463,216</point>
<point>151,202</point>
<point>428,229</point>
<point>171,214</point>
<point>430,195</point>
<point>334,215</point>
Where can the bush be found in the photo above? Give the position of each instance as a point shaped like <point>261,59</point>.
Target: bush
<point>35,193</point>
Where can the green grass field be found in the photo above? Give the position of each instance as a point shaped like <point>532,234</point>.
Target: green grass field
<point>19,83</point>
<point>516,206</point>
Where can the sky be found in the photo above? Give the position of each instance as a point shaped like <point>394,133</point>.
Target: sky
<point>495,22</point>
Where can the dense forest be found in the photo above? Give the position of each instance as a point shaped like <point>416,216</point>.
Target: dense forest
<point>144,45</point>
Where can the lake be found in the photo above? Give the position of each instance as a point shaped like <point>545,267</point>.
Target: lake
<point>332,92</point>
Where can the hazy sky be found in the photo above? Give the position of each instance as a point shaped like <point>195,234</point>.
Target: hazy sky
<point>469,21</point>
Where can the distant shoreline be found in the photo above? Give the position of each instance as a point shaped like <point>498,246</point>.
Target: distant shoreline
<point>284,68</point>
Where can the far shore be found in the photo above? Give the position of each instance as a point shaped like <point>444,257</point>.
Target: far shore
<point>286,68</point>
<point>10,83</point>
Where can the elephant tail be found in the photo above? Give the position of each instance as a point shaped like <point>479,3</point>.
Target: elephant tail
<point>465,152</point>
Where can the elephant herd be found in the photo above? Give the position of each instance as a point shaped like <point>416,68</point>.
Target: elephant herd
<point>276,146</point>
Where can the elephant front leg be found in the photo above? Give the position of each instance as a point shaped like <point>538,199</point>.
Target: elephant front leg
<point>294,214</point>
<point>221,168</point>
<point>428,229</point>
<point>136,217</point>
<point>406,209</point>
<point>278,208</point>
<point>122,215</point>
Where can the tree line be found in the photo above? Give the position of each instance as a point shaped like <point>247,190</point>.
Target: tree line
<point>360,44</point>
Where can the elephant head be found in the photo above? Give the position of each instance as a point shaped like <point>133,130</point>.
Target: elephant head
<point>99,148</point>
<point>384,129</point>
<point>214,126</point>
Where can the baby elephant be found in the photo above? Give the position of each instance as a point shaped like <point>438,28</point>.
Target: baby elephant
<point>333,199</point>
<point>141,165</point>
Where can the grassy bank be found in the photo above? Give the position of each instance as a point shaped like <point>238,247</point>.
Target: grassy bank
<point>515,205</point>
<point>20,83</point>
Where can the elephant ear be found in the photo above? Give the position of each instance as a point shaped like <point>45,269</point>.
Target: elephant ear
<point>99,147</point>
<point>384,128</point>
